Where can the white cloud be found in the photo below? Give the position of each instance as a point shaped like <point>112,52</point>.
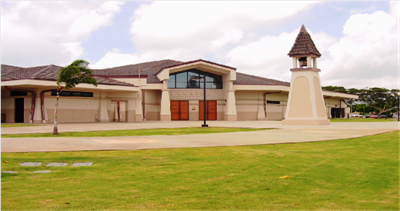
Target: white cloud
<point>367,54</point>
<point>115,58</point>
<point>40,33</point>
<point>192,30</point>
<point>267,57</point>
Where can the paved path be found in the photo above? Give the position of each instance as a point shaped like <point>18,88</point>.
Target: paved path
<point>282,134</point>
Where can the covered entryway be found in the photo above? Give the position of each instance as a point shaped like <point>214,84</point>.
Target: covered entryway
<point>19,110</point>
<point>119,111</point>
<point>337,113</point>
<point>179,110</point>
<point>211,111</point>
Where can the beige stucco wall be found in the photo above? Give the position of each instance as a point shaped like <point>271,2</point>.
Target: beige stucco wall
<point>73,109</point>
<point>276,111</point>
<point>8,106</point>
<point>87,109</point>
<point>152,104</point>
<point>301,100</point>
<point>247,104</point>
<point>250,105</point>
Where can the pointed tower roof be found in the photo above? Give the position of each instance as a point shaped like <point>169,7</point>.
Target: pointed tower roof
<point>304,45</point>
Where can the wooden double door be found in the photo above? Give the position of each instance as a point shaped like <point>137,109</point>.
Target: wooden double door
<point>211,110</point>
<point>179,110</point>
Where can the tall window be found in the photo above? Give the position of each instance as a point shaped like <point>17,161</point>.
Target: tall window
<point>184,80</point>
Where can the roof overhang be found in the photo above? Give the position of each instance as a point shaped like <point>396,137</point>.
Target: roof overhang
<point>261,88</point>
<point>200,65</point>
<point>45,83</point>
<point>287,89</point>
<point>339,95</point>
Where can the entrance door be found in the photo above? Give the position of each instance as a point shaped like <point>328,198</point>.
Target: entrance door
<point>19,110</point>
<point>211,111</point>
<point>337,113</point>
<point>179,110</point>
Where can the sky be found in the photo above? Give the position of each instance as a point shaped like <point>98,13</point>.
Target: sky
<point>358,40</point>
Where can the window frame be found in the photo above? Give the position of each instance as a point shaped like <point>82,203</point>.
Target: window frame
<point>72,94</point>
<point>213,81</point>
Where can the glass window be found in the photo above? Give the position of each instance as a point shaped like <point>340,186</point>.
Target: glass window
<point>69,93</point>
<point>194,84</point>
<point>171,81</point>
<point>185,80</point>
<point>181,80</point>
<point>87,94</point>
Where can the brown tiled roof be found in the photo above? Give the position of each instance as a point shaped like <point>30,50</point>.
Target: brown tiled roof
<point>104,76</point>
<point>153,70</point>
<point>245,79</point>
<point>304,45</point>
<point>132,70</point>
<point>109,81</point>
<point>148,69</point>
<point>48,72</point>
<point>17,73</point>
<point>5,69</point>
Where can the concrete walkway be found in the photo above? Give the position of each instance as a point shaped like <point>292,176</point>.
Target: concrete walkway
<point>282,134</point>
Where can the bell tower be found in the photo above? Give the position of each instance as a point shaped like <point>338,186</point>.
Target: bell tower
<point>306,104</point>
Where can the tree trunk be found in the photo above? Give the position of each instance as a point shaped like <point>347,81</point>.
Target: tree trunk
<point>55,129</point>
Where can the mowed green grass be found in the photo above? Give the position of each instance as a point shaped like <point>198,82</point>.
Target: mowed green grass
<point>351,174</point>
<point>364,120</point>
<point>139,132</point>
<point>16,125</point>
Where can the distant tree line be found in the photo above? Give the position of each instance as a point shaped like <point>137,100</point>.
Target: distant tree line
<point>381,101</point>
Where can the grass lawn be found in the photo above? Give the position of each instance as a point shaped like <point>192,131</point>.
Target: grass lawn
<point>351,174</point>
<point>139,132</point>
<point>16,125</point>
<point>364,120</point>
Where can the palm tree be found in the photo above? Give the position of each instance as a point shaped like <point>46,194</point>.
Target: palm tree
<point>69,77</point>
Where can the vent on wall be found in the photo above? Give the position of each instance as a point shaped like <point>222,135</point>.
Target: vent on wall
<point>273,102</point>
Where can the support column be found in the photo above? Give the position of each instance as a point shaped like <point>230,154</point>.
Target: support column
<point>103,108</point>
<point>315,65</point>
<point>37,118</point>
<point>131,111</point>
<point>230,114</point>
<point>309,61</point>
<point>139,109</point>
<point>294,62</point>
<point>165,114</point>
<point>261,111</point>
